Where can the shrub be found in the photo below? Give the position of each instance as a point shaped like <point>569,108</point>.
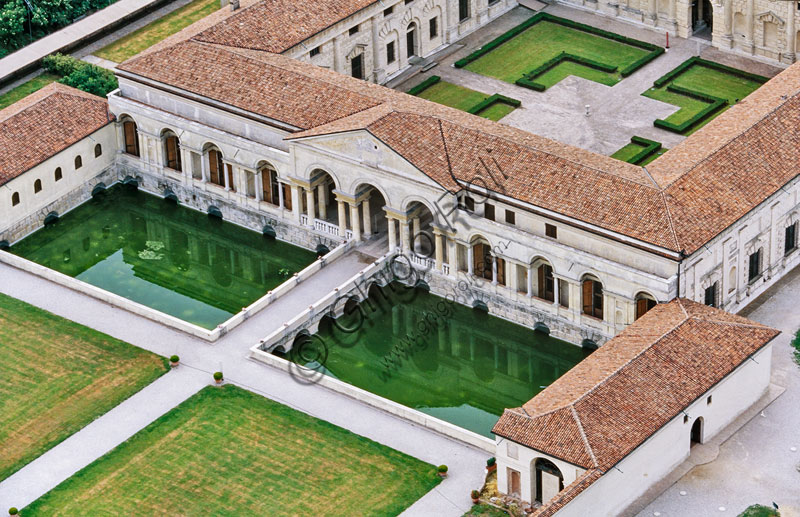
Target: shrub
<point>13,511</point>
<point>441,468</point>
<point>475,494</point>
<point>494,99</point>
<point>60,64</point>
<point>650,147</point>
<point>491,461</point>
<point>81,75</point>
<point>525,83</point>
<point>174,358</point>
<point>639,63</point>
<point>424,85</point>
<point>715,104</point>
<point>217,376</point>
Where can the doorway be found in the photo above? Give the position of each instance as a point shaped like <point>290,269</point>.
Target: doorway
<point>411,40</point>
<point>357,64</point>
<point>697,431</point>
<point>702,16</point>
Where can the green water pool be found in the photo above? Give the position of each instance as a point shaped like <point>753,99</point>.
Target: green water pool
<point>452,362</point>
<point>170,258</point>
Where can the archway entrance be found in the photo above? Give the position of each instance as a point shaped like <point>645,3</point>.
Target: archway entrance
<point>548,480</point>
<point>411,40</point>
<point>421,236</point>
<point>697,431</point>
<point>702,16</point>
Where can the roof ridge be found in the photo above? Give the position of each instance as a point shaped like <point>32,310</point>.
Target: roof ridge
<point>583,435</point>
<point>670,221</point>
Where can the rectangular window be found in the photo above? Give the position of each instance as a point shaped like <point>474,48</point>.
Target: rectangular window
<point>754,266</point>
<point>357,66</point>
<point>563,293</point>
<point>388,11</point>
<point>433,26</point>
<point>463,10</point>
<point>469,204</point>
<point>551,231</point>
<point>390,53</point>
<point>708,400</point>
<point>131,138</point>
<point>511,217</point>
<point>790,239</point>
<point>314,52</point>
<point>354,30</point>
<point>488,211</point>
<point>711,295</point>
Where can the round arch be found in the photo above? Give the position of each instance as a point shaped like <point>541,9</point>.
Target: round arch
<point>543,280</point>
<point>547,479</point>
<point>644,302</point>
<point>130,134</point>
<point>213,164</point>
<point>371,210</point>
<point>171,149</point>
<point>592,295</point>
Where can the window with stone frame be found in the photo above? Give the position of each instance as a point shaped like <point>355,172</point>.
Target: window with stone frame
<point>391,53</point>
<point>433,27</point>
<point>711,295</point>
<point>790,238</point>
<point>754,265</point>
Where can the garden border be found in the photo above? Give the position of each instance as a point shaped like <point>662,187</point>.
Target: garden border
<point>474,110</point>
<point>424,85</point>
<point>696,60</point>
<point>650,147</point>
<point>655,50</point>
<point>527,80</point>
<point>715,105</point>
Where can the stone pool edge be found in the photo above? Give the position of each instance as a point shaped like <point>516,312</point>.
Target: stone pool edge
<point>165,319</point>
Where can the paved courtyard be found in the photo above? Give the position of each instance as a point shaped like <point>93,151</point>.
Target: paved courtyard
<point>761,462</point>
<point>616,113</point>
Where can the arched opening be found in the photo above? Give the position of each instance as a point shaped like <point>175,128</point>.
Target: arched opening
<point>57,174</point>
<point>270,189</point>
<point>37,186</point>
<point>322,199</point>
<point>482,259</point>
<point>644,302</point>
<point>172,150</point>
<point>548,480</point>
<point>592,296</point>
<point>78,162</point>
<point>411,40</point>
<point>543,282</point>
<point>215,166</point>
<point>696,435</point>
<point>98,150</point>
<point>421,237</point>
<point>15,199</point>
<point>130,137</point>
<point>370,203</point>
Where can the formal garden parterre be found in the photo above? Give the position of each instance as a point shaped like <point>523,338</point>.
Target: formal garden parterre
<point>229,451</point>
<point>494,107</point>
<point>58,376</point>
<point>640,151</point>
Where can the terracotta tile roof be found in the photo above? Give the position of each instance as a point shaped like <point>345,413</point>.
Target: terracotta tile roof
<point>610,403</point>
<point>278,25</point>
<point>249,84</point>
<point>45,123</point>
<point>569,493</point>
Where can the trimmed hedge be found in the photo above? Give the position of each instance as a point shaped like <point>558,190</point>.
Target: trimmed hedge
<point>650,147</point>
<point>494,99</point>
<point>715,104</point>
<point>527,80</point>
<point>424,85</point>
<point>525,83</point>
<point>695,60</point>
<point>655,50</point>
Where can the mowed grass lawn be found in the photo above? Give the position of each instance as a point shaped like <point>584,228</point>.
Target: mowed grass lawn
<point>25,89</point>
<point>546,40</point>
<point>227,451</point>
<point>57,376</point>
<point>716,83</point>
<point>141,39</point>
<point>632,149</point>
<point>463,99</point>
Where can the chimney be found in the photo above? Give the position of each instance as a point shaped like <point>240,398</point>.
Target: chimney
<point>234,4</point>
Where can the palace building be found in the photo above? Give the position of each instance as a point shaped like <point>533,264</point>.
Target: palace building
<point>259,114</point>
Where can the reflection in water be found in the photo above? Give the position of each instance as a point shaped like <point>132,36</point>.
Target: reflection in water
<point>447,360</point>
<point>169,258</point>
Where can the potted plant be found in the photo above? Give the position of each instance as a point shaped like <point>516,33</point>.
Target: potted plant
<point>218,377</point>
<point>174,360</point>
<point>491,464</point>
<point>475,496</point>
<point>442,470</point>
<point>13,511</point>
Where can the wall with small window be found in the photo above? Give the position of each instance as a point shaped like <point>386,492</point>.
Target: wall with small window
<point>58,183</point>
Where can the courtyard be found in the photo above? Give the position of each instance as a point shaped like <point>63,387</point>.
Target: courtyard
<point>232,451</point>
<point>582,104</point>
<point>57,377</point>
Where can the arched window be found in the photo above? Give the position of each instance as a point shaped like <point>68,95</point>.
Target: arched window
<point>216,167</point>
<point>269,184</point>
<point>546,282</point>
<point>411,40</point>
<point>78,162</point>
<point>482,260</point>
<point>548,478</point>
<point>644,302</point>
<point>131,135</point>
<point>98,150</point>
<point>172,151</point>
<point>15,199</point>
<point>37,186</point>
<point>58,174</point>
<point>592,297</point>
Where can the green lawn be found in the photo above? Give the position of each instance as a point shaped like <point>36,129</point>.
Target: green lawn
<point>758,510</point>
<point>546,40</point>
<point>26,89</point>
<point>227,451</point>
<point>57,376</point>
<point>139,40</point>
<point>629,151</point>
<point>463,99</point>
<point>716,83</point>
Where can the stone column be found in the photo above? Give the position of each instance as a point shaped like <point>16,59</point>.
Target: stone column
<point>672,15</point>
<point>452,256</point>
<point>342,219</point>
<point>451,21</point>
<point>204,167</point>
<point>791,33</point>
<point>392,236</point>
<point>186,163</point>
<point>354,220</point>
<point>555,290</point>
<point>439,251</point>
<point>404,237</point>
<point>310,206</point>
<point>281,201</point>
<point>377,71</point>
<point>297,201</point>
<point>226,180</point>
<point>470,260</point>
<point>322,197</point>
<point>652,11</point>
<point>727,15</point>
<point>512,280</point>
<point>750,17</point>
<point>415,227</point>
<point>338,57</point>
<point>367,218</point>
<point>530,282</point>
<point>259,186</point>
